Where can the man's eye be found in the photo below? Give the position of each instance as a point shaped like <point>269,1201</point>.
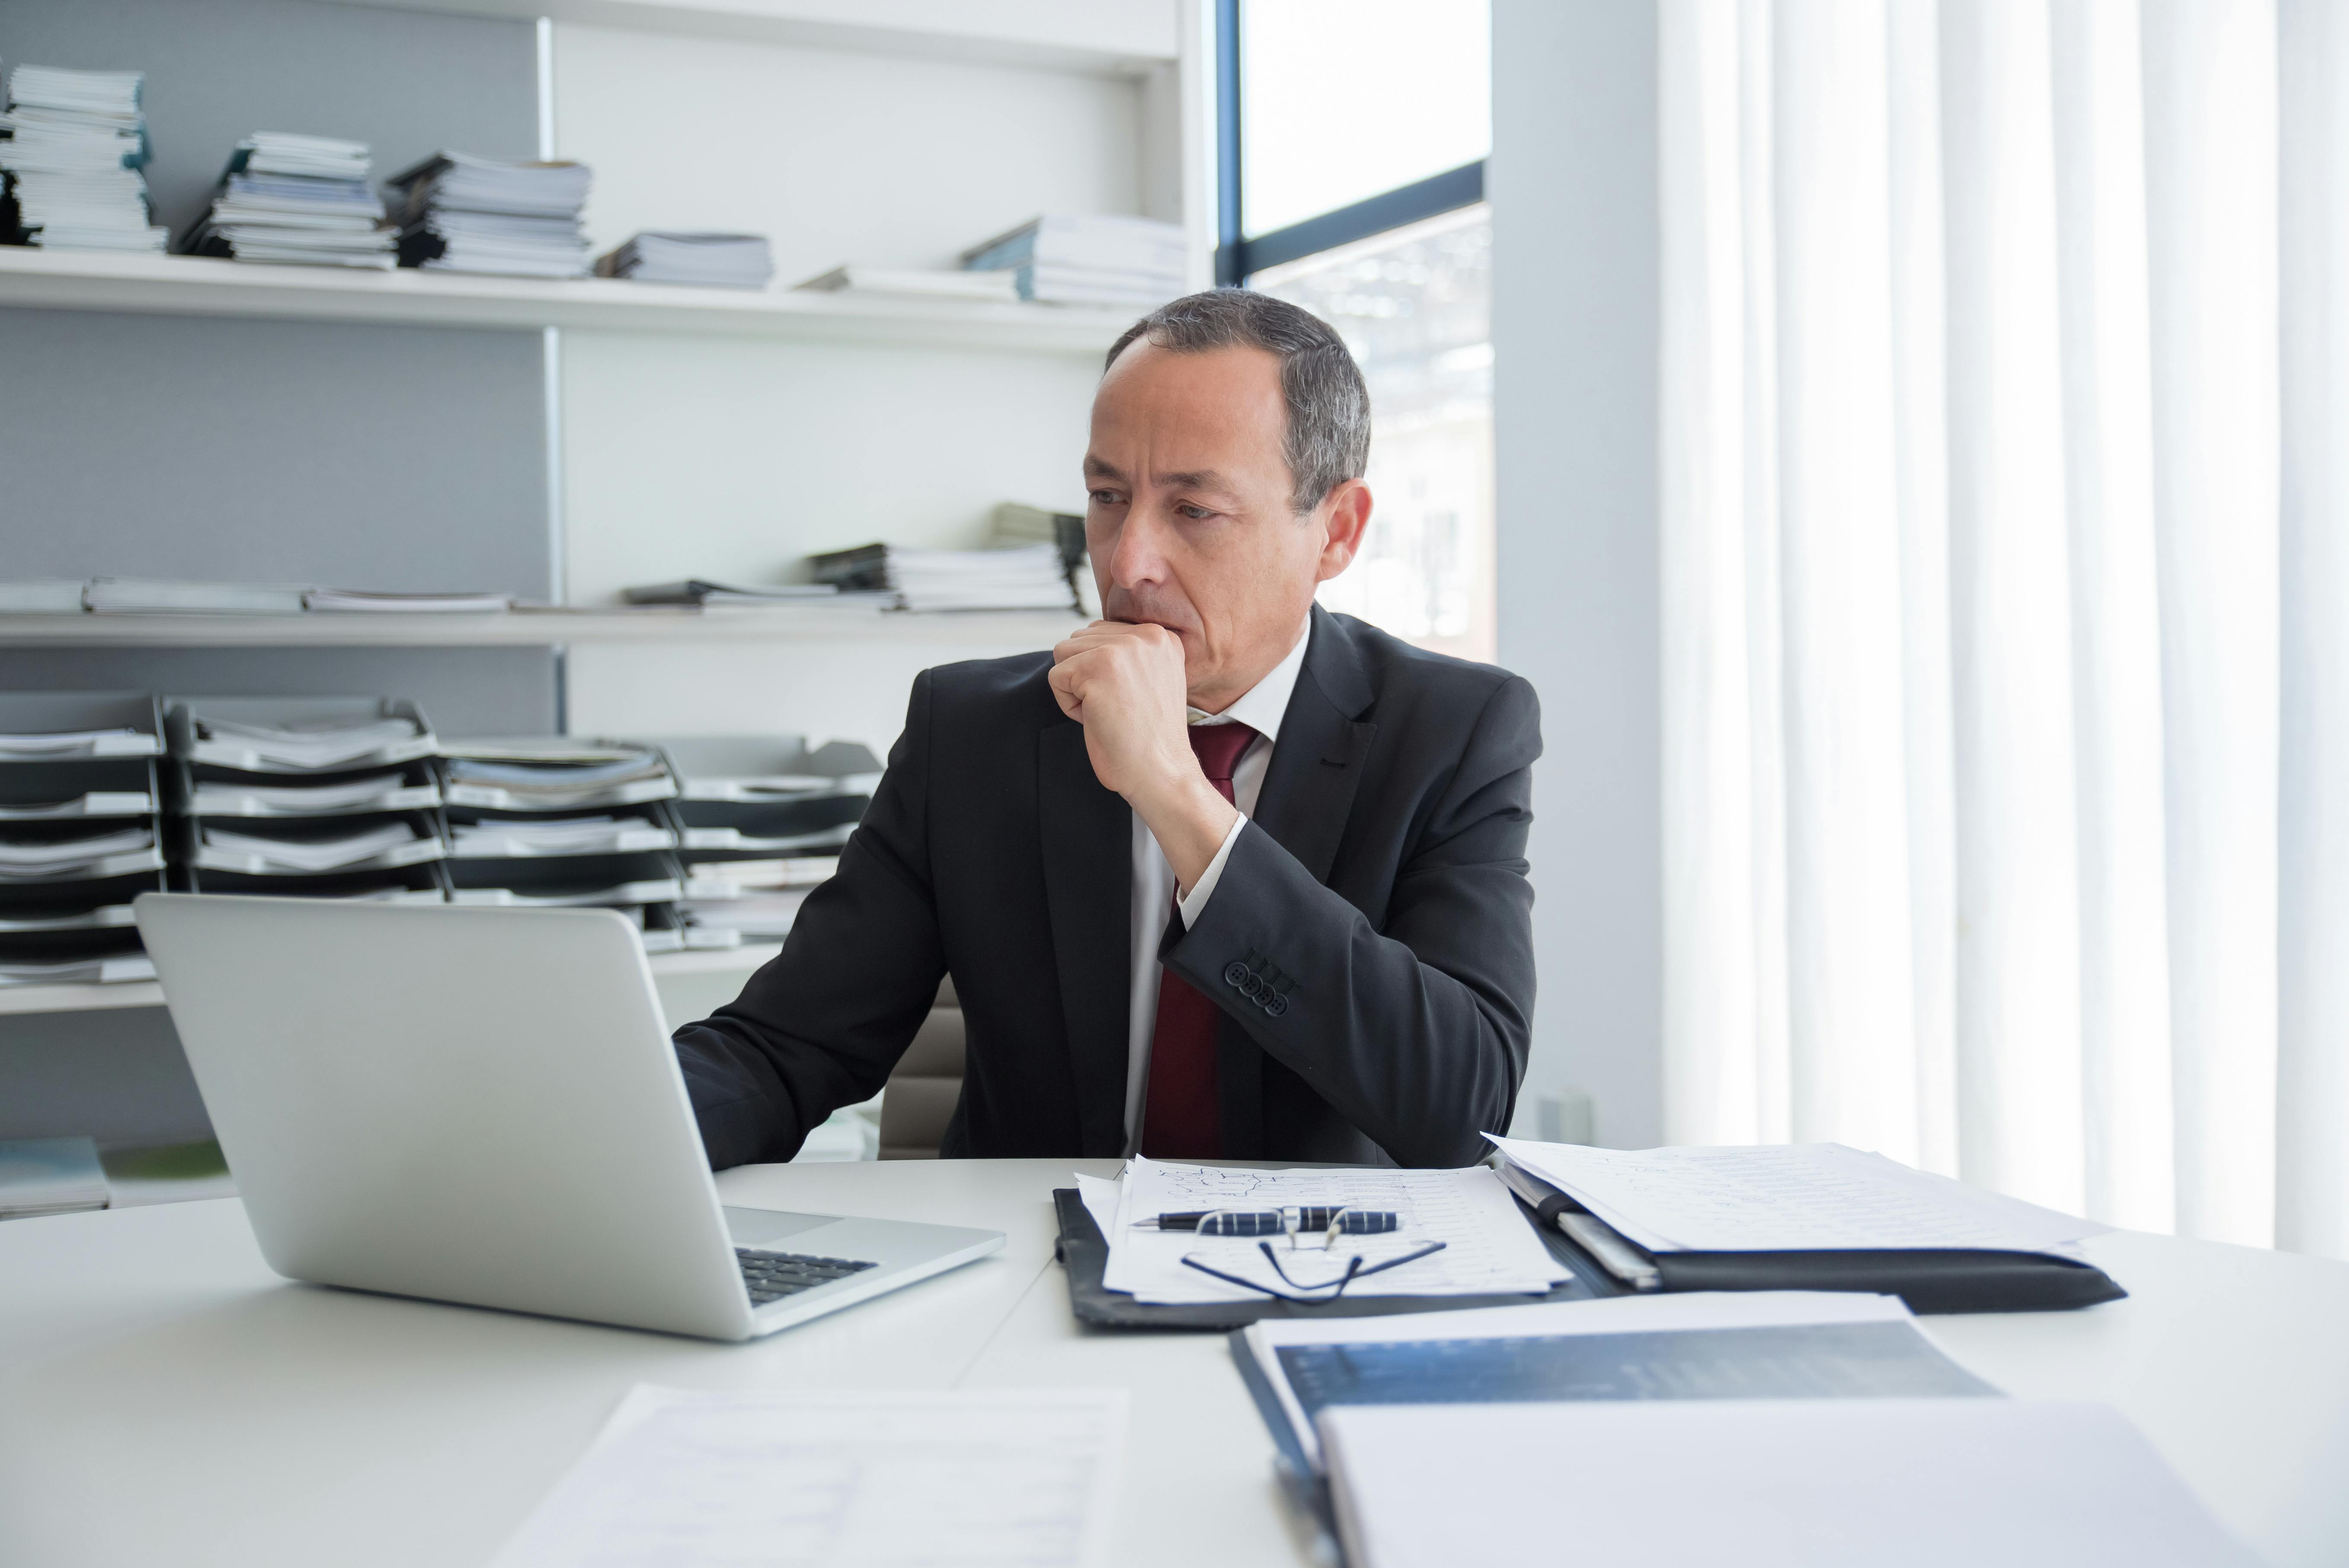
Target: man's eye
<point>1194,512</point>
<point>1104,498</point>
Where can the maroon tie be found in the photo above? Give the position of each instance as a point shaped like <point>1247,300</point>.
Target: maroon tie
<point>1179,1119</point>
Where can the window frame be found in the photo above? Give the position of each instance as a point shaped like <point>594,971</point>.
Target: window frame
<point>1239,257</point>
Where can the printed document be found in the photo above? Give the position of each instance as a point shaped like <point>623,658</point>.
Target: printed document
<point>1789,1198</point>
<point>1489,1249</point>
<point>684,1478</point>
<point>1761,1483</point>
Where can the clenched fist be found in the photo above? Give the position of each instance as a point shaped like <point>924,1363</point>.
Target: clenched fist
<point>1124,683</point>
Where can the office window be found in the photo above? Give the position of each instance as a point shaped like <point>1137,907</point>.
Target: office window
<point>1352,144</point>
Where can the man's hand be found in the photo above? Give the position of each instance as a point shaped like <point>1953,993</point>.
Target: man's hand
<point>1124,683</point>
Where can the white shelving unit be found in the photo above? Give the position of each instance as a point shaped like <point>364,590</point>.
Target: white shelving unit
<point>204,285</point>
<point>738,961</point>
<point>536,628</point>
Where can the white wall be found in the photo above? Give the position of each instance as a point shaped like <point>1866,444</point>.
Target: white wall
<point>1575,333</point>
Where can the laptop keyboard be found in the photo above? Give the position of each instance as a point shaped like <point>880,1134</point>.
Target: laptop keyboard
<point>770,1276</point>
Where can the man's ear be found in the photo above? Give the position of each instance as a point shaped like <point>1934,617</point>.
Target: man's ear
<point>1341,517</point>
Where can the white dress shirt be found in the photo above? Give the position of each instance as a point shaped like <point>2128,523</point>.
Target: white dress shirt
<point>1154,878</point>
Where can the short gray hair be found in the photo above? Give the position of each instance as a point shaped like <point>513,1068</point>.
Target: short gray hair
<point>1328,439</point>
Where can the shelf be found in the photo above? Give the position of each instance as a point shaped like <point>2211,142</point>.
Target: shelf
<point>149,992</point>
<point>206,285</point>
<point>536,628</point>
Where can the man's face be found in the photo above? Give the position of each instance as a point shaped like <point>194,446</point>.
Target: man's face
<point>1189,521</point>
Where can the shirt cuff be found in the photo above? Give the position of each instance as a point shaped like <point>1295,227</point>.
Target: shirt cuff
<point>1193,903</point>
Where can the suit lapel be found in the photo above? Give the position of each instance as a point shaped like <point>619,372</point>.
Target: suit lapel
<point>1088,890</point>
<point>1317,766</point>
<point>1317,762</point>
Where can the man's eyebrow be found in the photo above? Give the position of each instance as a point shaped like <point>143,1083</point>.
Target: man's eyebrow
<point>1100,469</point>
<point>1197,480</point>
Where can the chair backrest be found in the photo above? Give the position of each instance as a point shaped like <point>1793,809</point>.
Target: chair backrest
<point>922,1093</point>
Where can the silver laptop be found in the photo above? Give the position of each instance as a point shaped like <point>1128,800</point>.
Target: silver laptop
<point>481,1106</point>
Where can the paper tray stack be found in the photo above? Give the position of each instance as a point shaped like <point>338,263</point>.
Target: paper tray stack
<point>764,820</point>
<point>306,797</point>
<point>81,834</point>
<point>550,823</point>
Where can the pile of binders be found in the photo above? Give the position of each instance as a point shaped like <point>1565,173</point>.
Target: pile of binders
<point>76,142</point>
<point>296,199</point>
<point>555,823</point>
<point>306,797</point>
<point>764,821</point>
<point>464,214</point>
<point>1010,577</point>
<point>80,834</point>
<point>1114,261</point>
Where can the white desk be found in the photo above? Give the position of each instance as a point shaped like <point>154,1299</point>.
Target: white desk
<point>165,1399</point>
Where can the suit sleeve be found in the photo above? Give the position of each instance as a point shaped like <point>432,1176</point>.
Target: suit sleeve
<point>822,1023</point>
<point>1416,1034</point>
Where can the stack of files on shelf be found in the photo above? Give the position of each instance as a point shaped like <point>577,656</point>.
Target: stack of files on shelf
<point>50,1176</point>
<point>307,797</point>
<point>704,595</point>
<point>359,601</point>
<point>81,834</point>
<point>76,142</point>
<point>764,820</point>
<point>296,199</point>
<point>551,822</point>
<point>1016,577</point>
<point>919,282</point>
<point>43,596</point>
<point>138,596</point>
<point>462,214</point>
<point>713,261</point>
<point>1132,263</point>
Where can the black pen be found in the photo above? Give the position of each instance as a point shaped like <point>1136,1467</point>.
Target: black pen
<point>1274,1221</point>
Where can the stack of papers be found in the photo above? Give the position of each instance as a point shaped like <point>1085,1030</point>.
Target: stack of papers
<point>43,596</point>
<point>349,600</point>
<point>1134,263</point>
<point>1489,1249</point>
<point>458,213</point>
<point>48,744</point>
<point>682,1478</point>
<point>554,775</point>
<point>926,282</point>
<point>1017,577</point>
<point>126,595</point>
<point>49,1176</point>
<point>1805,1197</point>
<point>523,837</point>
<point>310,746</point>
<point>388,792</point>
<point>310,850</point>
<point>79,855</point>
<point>296,199</point>
<point>76,142</point>
<point>700,591</point>
<point>716,260</point>
<point>752,916</point>
<point>1763,1484</point>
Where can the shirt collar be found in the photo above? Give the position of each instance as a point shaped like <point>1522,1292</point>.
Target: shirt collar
<point>1261,706</point>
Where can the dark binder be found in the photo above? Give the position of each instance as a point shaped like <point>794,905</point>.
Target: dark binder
<point>1930,1280</point>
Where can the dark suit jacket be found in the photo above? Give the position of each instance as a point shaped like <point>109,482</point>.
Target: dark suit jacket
<point>1370,941</point>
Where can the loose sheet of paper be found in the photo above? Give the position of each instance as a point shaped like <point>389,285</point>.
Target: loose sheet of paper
<point>1489,1248</point>
<point>1798,1197</point>
<point>682,1478</point>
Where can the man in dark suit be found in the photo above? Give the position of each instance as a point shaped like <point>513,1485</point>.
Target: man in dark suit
<point>1224,876</point>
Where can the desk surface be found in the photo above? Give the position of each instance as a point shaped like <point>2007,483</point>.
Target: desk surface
<point>165,1397</point>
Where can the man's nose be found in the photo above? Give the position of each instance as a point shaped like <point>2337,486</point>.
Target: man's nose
<point>1141,554</point>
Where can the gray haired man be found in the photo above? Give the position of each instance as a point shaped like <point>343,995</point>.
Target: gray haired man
<point>1224,876</point>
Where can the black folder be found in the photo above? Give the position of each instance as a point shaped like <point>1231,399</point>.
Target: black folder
<point>1930,1281</point>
